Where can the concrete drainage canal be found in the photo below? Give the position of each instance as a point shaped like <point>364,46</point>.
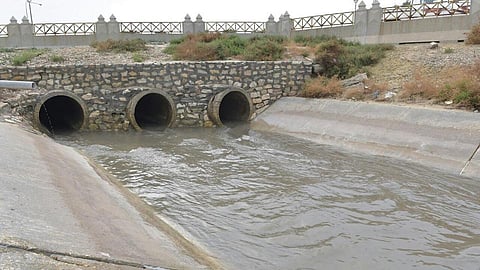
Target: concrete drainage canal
<point>230,107</point>
<point>151,110</point>
<point>60,112</point>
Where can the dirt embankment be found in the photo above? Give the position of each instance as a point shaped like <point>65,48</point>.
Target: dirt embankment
<point>402,64</point>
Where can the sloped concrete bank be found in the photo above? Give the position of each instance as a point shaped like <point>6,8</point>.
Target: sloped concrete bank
<point>57,211</point>
<point>443,139</point>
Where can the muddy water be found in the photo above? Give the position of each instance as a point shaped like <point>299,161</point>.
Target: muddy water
<point>264,201</point>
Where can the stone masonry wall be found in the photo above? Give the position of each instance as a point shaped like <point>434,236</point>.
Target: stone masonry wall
<point>107,89</point>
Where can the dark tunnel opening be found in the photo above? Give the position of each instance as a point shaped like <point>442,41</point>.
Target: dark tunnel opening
<point>153,112</point>
<point>234,108</point>
<point>61,114</point>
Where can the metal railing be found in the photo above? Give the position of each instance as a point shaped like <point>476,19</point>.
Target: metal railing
<point>420,11</point>
<point>64,29</point>
<point>150,28</point>
<point>323,21</point>
<point>3,30</point>
<point>236,27</point>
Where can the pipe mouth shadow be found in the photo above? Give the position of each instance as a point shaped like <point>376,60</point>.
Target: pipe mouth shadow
<point>151,110</point>
<point>60,113</point>
<point>230,108</point>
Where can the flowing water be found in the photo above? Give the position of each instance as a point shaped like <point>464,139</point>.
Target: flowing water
<point>265,201</point>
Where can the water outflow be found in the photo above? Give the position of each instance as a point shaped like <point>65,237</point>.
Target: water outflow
<point>60,113</point>
<point>264,201</point>
<point>151,110</point>
<point>230,107</point>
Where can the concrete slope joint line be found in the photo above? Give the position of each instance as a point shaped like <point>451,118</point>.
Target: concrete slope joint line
<point>53,254</point>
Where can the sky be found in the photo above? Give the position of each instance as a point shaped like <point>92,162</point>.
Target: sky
<point>52,11</point>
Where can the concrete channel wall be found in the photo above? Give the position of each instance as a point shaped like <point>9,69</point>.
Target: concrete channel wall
<point>101,95</point>
<point>444,139</point>
<point>58,211</point>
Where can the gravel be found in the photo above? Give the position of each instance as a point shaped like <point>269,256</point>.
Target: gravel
<point>87,55</point>
<point>405,61</point>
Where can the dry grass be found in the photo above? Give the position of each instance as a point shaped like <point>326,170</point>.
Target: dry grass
<point>460,85</point>
<point>355,93</point>
<point>120,46</point>
<point>216,46</point>
<point>294,49</point>
<point>323,87</point>
<point>473,37</point>
<point>190,49</point>
<point>420,88</point>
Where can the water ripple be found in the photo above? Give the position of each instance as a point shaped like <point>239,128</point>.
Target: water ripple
<point>263,201</point>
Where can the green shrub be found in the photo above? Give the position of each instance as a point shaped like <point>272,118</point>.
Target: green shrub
<point>264,49</point>
<point>311,41</point>
<point>345,59</point>
<point>25,56</point>
<point>216,46</point>
<point>120,46</point>
<point>448,50</point>
<point>467,92</point>
<point>228,46</point>
<point>463,96</point>
<point>57,59</point>
<point>172,46</point>
<point>139,57</point>
<point>6,50</point>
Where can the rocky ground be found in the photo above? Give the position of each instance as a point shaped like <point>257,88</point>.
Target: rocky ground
<point>87,55</point>
<point>405,61</point>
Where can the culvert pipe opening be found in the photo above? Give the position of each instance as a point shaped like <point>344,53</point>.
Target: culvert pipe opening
<point>151,110</point>
<point>230,107</point>
<point>60,114</point>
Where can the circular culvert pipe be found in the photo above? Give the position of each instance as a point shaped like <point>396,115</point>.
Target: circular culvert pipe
<point>151,110</point>
<point>60,112</point>
<point>230,107</point>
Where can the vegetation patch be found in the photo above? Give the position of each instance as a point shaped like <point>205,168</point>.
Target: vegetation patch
<point>139,57</point>
<point>57,59</point>
<point>266,48</point>
<point>25,56</point>
<point>6,50</point>
<point>473,37</point>
<point>345,59</point>
<point>323,87</point>
<point>448,50</point>
<point>461,87</point>
<point>216,46</point>
<point>120,46</point>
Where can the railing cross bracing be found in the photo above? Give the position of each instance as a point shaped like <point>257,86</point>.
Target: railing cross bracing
<point>235,27</point>
<point>3,31</point>
<point>323,21</point>
<point>65,29</point>
<point>427,10</point>
<point>150,28</point>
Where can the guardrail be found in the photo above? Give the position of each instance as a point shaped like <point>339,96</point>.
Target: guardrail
<point>420,11</point>
<point>3,31</point>
<point>64,29</point>
<point>235,27</point>
<point>323,21</point>
<point>150,28</point>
